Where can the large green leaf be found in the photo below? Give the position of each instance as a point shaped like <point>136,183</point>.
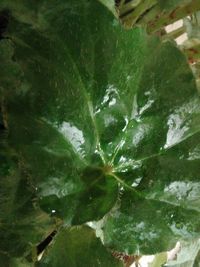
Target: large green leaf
<point>57,102</point>
<point>98,114</point>
<point>23,224</point>
<point>78,247</point>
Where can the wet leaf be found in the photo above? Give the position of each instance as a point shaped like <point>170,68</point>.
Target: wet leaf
<point>98,114</point>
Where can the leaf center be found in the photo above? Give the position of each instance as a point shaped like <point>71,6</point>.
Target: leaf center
<point>108,169</point>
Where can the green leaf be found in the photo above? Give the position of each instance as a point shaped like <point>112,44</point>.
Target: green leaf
<point>149,225</point>
<point>60,133</point>
<point>77,247</point>
<point>23,224</point>
<point>110,4</point>
<point>101,192</point>
<point>167,188</point>
<point>97,114</point>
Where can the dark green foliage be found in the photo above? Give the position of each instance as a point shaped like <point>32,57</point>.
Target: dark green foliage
<point>77,247</point>
<point>95,115</point>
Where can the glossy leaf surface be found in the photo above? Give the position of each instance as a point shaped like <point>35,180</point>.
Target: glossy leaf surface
<point>98,114</point>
